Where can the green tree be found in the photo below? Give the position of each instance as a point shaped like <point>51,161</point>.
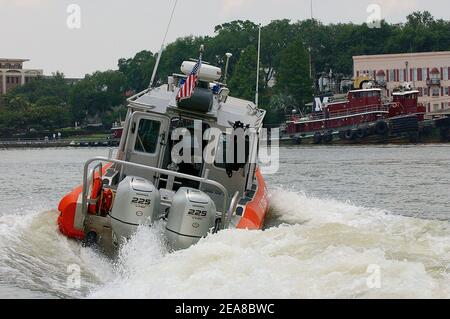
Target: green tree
<point>421,33</point>
<point>275,37</point>
<point>97,94</point>
<point>177,52</point>
<point>49,117</point>
<point>10,122</point>
<point>232,37</point>
<point>138,70</point>
<point>54,86</point>
<point>292,77</point>
<point>243,80</point>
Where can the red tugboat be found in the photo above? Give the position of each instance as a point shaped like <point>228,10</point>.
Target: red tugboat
<point>364,114</point>
<point>117,130</point>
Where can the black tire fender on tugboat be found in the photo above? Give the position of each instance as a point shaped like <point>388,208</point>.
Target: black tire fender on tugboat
<point>349,134</point>
<point>414,137</point>
<point>381,128</point>
<point>317,138</point>
<point>297,140</point>
<point>361,132</point>
<point>328,137</point>
<point>444,133</point>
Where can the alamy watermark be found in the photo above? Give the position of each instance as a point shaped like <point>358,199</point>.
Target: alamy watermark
<point>375,17</point>
<point>74,276</point>
<point>373,281</point>
<point>232,149</point>
<point>74,18</point>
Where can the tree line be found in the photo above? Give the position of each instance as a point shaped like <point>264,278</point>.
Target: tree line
<point>293,54</point>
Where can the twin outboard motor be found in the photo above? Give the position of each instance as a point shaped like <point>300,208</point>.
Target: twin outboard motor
<point>191,217</point>
<point>136,203</point>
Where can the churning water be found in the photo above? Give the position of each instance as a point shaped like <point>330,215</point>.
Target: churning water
<point>339,215</point>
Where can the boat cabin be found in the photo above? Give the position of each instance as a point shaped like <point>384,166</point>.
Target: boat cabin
<point>406,102</point>
<point>188,162</point>
<point>357,99</point>
<point>160,130</point>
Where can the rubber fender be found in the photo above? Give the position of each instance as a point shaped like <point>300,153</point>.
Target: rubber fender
<point>381,128</point>
<point>317,138</point>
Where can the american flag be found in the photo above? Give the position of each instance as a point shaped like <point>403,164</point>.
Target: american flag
<point>187,88</point>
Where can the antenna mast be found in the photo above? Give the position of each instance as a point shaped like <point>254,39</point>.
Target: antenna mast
<point>257,67</point>
<point>162,45</point>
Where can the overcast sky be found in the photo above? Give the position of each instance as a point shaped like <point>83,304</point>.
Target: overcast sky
<point>111,29</point>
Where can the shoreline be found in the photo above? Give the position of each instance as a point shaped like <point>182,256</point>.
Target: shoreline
<point>282,141</point>
<point>57,144</point>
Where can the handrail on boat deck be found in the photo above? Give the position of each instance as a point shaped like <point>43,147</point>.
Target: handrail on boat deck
<point>99,166</point>
<point>137,95</point>
<point>232,208</point>
<point>204,180</point>
<point>342,113</point>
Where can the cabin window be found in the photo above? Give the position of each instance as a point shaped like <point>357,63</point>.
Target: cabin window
<point>195,131</point>
<point>147,136</point>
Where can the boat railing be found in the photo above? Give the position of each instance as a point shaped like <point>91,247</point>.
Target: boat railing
<point>324,115</point>
<point>91,179</point>
<point>233,204</point>
<point>204,180</point>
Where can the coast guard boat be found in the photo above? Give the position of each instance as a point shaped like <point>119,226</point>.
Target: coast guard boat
<point>146,183</point>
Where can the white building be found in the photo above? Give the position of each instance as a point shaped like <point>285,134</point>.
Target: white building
<point>12,74</point>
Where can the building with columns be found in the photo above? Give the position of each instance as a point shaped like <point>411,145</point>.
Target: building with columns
<point>12,74</point>
<point>428,72</point>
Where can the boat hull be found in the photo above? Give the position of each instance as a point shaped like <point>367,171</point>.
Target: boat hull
<point>256,210</point>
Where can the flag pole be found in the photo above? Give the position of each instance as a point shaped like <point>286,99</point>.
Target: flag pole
<point>200,58</point>
<point>257,67</point>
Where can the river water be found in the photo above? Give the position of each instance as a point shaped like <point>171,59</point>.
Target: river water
<point>345,222</point>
